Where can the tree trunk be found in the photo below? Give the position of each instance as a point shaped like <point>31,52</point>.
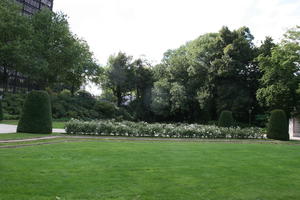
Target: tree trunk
<point>119,96</point>
<point>5,79</point>
<point>72,90</point>
<point>15,81</point>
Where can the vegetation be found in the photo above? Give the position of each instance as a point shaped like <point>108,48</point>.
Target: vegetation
<point>197,81</point>
<point>57,58</point>
<point>144,129</point>
<point>36,116</point>
<point>156,170</point>
<point>281,78</point>
<point>1,111</point>
<point>278,126</point>
<point>226,119</point>
<point>81,105</point>
<point>194,83</point>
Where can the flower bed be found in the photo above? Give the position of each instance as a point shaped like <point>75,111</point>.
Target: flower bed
<point>144,129</point>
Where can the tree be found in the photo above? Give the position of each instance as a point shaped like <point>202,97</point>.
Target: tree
<point>235,72</point>
<point>161,100</point>
<point>119,76</point>
<point>207,72</point>
<point>82,67</point>
<point>50,48</point>
<point>15,31</point>
<point>143,83</point>
<point>280,70</point>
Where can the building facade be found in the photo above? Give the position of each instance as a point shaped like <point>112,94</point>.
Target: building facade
<point>294,128</point>
<point>29,7</point>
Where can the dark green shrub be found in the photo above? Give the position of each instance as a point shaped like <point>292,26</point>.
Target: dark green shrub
<point>106,110</point>
<point>226,119</point>
<point>278,126</point>
<point>1,111</point>
<point>36,114</point>
<point>10,117</point>
<point>12,104</point>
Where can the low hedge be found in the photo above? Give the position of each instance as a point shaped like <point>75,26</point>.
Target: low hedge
<point>143,129</point>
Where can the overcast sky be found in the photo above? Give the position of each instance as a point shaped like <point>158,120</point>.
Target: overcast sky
<point>150,27</point>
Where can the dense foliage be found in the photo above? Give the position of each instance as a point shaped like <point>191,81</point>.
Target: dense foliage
<point>36,115</point>
<point>12,105</point>
<point>1,111</point>
<point>280,69</point>
<point>82,105</point>
<point>278,126</point>
<point>215,72</point>
<point>41,51</point>
<point>226,119</point>
<point>144,129</point>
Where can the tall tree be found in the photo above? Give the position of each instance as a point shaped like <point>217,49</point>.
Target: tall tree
<point>143,83</point>
<point>280,78</point>
<point>15,31</point>
<point>119,76</point>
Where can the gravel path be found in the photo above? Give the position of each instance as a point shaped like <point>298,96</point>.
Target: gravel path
<point>241,141</point>
<point>5,128</point>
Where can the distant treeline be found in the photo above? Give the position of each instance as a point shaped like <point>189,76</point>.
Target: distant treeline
<point>193,83</point>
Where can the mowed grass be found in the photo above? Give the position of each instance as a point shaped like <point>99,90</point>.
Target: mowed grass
<point>55,124</point>
<point>151,170</point>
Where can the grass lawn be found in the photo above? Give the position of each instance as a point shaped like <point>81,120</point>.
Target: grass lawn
<point>55,124</point>
<point>151,170</point>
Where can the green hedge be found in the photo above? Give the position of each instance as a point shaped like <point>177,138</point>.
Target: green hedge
<point>36,115</point>
<point>278,126</point>
<point>64,106</point>
<point>143,129</point>
<point>226,119</point>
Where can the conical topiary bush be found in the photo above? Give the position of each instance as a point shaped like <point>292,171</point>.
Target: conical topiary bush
<point>36,115</point>
<point>278,126</point>
<point>226,119</point>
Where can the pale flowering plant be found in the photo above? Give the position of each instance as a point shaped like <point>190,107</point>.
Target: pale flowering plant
<point>144,129</point>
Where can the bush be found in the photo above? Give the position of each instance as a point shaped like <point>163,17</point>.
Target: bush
<point>1,111</point>
<point>12,104</point>
<point>36,114</point>
<point>105,109</point>
<point>143,129</point>
<point>226,119</point>
<point>278,126</point>
<point>10,117</point>
<point>65,93</point>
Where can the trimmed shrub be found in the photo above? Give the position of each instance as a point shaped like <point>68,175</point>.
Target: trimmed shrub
<point>1,111</point>
<point>144,129</point>
<point>36,114</point>
<point>278,126</point>
<point>226,119</point>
